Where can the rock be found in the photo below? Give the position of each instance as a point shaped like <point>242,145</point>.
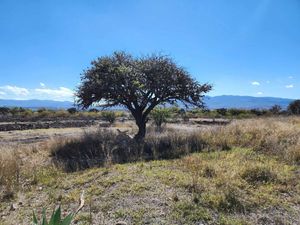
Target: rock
<point>13,207</point>
<point>121,223</point>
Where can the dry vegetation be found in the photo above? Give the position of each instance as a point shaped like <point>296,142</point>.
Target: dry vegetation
<point>244,173</point>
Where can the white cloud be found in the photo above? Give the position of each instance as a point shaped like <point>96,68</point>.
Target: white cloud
<point>268,82</point>
<point>289,86</point>
<point>14,90</point>
<point>255,83</point>
<point>42,93</point>
<point>61,93</point>
<point>291,77</point>
<point>259,93</point>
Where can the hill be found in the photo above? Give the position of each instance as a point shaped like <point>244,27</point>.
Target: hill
<point>223,101</point>
<point>34,103</point>
<point>245,102</point>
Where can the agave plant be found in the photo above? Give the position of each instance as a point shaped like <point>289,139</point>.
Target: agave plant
<point>55,218</point>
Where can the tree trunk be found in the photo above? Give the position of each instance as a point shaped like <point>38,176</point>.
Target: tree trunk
<point>142,130</point>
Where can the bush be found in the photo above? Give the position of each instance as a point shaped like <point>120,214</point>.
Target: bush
<point>94,110</point>
<point>222,111</point>
<point>276,109</point>
<point>230,202</point>
<point>258,175</point>
<point>160,116</point>
<point>72,110</point>
<point>109,116</point>
<point>294,107</point>
<point>4,110</point>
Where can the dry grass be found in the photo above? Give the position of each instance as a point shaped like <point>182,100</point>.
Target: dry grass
<point>9,172</point>
<point>254,180</point>
<point>275,136</point>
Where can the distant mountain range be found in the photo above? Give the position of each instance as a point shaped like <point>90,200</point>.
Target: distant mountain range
<point>224,101</point>
<point>245,102</point>
<point>34,104</point>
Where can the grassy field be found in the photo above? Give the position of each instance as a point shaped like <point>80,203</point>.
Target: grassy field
<point>244,173</point>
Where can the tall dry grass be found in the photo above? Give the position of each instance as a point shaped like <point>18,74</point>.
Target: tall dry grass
<point>9,171</point>
<point>276,136</point>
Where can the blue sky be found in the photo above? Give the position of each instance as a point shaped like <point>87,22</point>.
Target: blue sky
<point>249,47</point>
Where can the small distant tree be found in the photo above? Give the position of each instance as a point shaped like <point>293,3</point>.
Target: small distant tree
<point>72,110</point>
<point>275,109</point>
<point>94,110</point>
<point>4,110</point>
<point>222,111</point>
<point>109,116</point>
<point>138,84</point>
<point>41,110</point>
<point>160,116</point>
<point>294,107</point>
<point>16,110</point>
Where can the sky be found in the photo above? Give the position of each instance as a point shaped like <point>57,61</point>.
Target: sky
<point>249,47</point>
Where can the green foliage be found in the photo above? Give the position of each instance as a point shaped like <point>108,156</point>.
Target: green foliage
<point>139,84</point>
<point>55,218</point>
<point>109,116</point>
<point>160,116</point>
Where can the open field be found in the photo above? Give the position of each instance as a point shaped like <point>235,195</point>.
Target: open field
<point>246,172</point>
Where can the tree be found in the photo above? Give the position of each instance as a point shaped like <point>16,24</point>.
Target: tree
<point>109,116</point>
<point>138,84</point>
<point>294,107</point>
<point>275,109</point>
<point>222,111</point>
<point>160,116</point>
<point>4,110</point>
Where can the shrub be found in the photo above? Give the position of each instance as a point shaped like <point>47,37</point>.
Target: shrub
<point>258,175</point>
<point>4,110</point>
<point>40,110</point>
<point>94,110</point>
<point>160,116</point>
<point>72,110</point>
<point>294,107</point>
<point>109,116</point>
<point>222,111</point>
<point>230,202</point>
<point>55,218</point>
<point>275,109</point>
<point>236,112</point>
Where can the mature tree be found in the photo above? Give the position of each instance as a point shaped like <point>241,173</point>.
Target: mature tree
<point>294,107</point>
<point>139,84</point>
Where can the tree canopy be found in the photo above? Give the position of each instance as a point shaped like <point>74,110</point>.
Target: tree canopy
<point>139,84</point>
